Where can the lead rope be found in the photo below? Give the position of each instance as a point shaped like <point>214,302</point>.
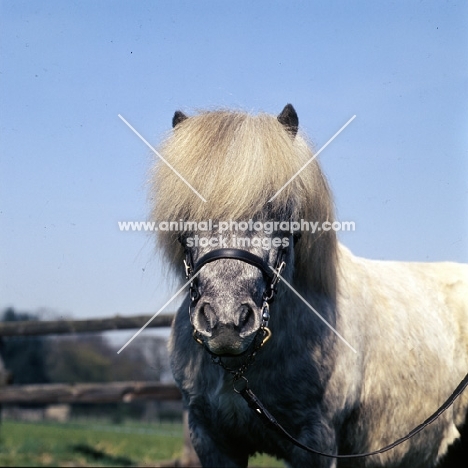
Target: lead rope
<point>269,420</point>
<point>255,403</point>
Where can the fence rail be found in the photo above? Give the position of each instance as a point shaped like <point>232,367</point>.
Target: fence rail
<point>85,393</point>
<point>58,327</point>
<point>111,392</point>
<point>98,392</point>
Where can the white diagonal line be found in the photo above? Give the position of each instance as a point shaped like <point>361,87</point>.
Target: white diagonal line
<point>313,310</point>
<point>157,313</point>
<point>162,159</point>
<point>311,159</point>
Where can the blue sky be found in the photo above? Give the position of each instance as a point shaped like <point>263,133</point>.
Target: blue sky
<point>70,169</point>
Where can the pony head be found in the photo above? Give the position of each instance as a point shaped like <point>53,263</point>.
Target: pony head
<point>233,286</point>
<point>258,176</point>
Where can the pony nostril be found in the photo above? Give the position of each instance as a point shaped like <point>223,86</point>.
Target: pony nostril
<point>247,317</point>
<point>204,319</point>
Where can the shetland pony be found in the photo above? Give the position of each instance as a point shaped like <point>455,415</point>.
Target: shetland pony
<point>389,347</point>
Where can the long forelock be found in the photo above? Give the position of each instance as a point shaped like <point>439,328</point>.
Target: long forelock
<point>237,162</point>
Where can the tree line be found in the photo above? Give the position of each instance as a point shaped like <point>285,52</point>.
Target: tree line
<point>79,358</point>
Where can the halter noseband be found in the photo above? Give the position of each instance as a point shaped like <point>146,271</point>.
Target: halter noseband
<point>235,254</point>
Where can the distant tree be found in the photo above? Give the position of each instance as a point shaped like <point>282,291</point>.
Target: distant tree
<point>156,356</point>
<point>24,357</point>
<point>90,358</point>
<point>81,357</point>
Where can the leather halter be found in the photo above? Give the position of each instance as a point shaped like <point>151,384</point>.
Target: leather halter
<point>272,275</point>
<point>236,254</point>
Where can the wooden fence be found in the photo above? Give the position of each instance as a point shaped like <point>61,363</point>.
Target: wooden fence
<point>111,392</point>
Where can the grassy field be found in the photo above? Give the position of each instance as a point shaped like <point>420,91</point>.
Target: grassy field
<point>93,444</point>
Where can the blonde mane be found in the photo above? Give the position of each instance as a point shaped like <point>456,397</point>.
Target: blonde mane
<point>237,162</point>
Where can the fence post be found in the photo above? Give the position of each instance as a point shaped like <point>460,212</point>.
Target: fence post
<point>4,378</point>
<point>189,456</point>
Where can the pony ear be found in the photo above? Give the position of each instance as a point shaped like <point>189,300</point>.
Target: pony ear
<point>288,118</point>
<point>178,118</point>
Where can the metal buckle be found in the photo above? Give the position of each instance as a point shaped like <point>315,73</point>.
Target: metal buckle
<point>278,271</point>
<point>281,267</point>
<point>197,338</point>
<point>265,314</point>
<point>188,269</point>
<point>266,337</point>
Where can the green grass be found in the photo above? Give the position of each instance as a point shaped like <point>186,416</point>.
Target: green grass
<point>88,444</point>
<point>50,444</point>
